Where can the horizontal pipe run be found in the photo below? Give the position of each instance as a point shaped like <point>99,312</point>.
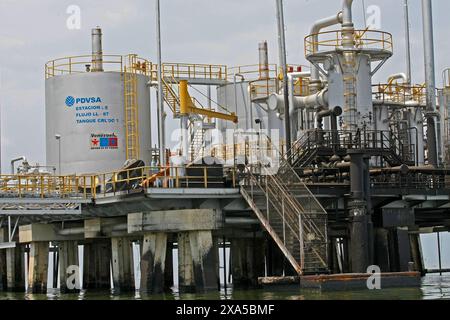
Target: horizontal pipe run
<point>314,101</point>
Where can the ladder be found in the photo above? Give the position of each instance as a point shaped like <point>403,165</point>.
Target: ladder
<point>197,146</point>
<point>131,108</point>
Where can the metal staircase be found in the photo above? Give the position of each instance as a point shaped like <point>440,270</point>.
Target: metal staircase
<point>170,94</point>
<point>291,214</point>
<point>198,146</point>
<point>303,151</point>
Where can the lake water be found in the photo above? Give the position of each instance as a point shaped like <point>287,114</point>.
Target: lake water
<point>433,287</point>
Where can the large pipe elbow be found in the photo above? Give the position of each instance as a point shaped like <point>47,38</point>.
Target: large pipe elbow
<point>315,29</point>
<point>335,112</point>
<point>398,76</point>
<point>13,162</point>
<point>326,22</point>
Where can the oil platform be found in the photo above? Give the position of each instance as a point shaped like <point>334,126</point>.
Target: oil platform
<point>301,172</point>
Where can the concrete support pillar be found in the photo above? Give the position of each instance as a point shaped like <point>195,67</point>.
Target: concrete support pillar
<point>416,253</point>
<point>360,251</point>
<point>97,265</point>
<point>153,262</point>
<point>2,270</point>
<point>186,281</point>
<point>15,268</point>
<point>247,256</point>
<point>204,258</point>
<point>198,266</point>
<point>275,260</point>
<point>3,238</point>
<point>361,234</point>
<point>403,249</point>
<point>168,270</point>
<point>122,265</point>
<point>239,263</point>
<point>69,277</point>
<point>382,250</point>
<point>38,267</point>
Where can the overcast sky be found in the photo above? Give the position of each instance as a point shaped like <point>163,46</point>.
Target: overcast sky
<point>201,31</point>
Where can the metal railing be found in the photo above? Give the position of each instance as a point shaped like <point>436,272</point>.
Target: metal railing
<point>399,93</point>
<point>253,72</point>
<point>249,151</point>
<point>410,181</point>
<point>113,183</point>
<point>262,89</point>
<point>332,40</point>
<point>194,71</point>
<point>82,64</point>
<point>381,179</point>
<point>369,140</point>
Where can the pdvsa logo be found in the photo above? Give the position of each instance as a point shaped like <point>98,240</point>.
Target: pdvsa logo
<point>71,101</point>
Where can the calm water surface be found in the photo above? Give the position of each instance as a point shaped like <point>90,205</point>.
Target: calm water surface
<point>433,288</point>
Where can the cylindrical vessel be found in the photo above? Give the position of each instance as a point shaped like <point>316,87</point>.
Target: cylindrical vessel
<point>87,111</point>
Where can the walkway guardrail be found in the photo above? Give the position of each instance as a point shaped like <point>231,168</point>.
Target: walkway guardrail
<point>332,40</point>
<point>83,64</point>
<point>113,183</point>
<point>399,93</point>
<point>194,71</point>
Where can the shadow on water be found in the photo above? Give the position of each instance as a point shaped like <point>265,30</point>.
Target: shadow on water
<point>433,287</point>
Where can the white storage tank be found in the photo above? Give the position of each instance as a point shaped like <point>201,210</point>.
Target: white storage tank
<point>86,114</point>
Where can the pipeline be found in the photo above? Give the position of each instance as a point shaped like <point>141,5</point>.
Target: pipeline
<point>428,40</point>
<point>293,110</point>
<point>333,113</point>
<point>315,101</point>
<point>13,161</point>
<point>397,76</point>
<point>315,84</point>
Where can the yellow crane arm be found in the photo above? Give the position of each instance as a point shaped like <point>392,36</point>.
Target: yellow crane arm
<point>187,106</point>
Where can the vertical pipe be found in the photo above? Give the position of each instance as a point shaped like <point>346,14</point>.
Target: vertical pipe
<point>161,116</point>
<point>439,252</point>
<point>283,63</point>
<point>236,75</point>
<point>55,266</point>
<point>1,144</point>
<point>263,61</point>
<point>225,265</point>
<point>316,83</point>
<point>408,42</point>
<point>428,40</point>
<point>349,67</point>
<point>59,157</point>
<point>208,95</point>
<point>97,51</point>
<point>184,113</point>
